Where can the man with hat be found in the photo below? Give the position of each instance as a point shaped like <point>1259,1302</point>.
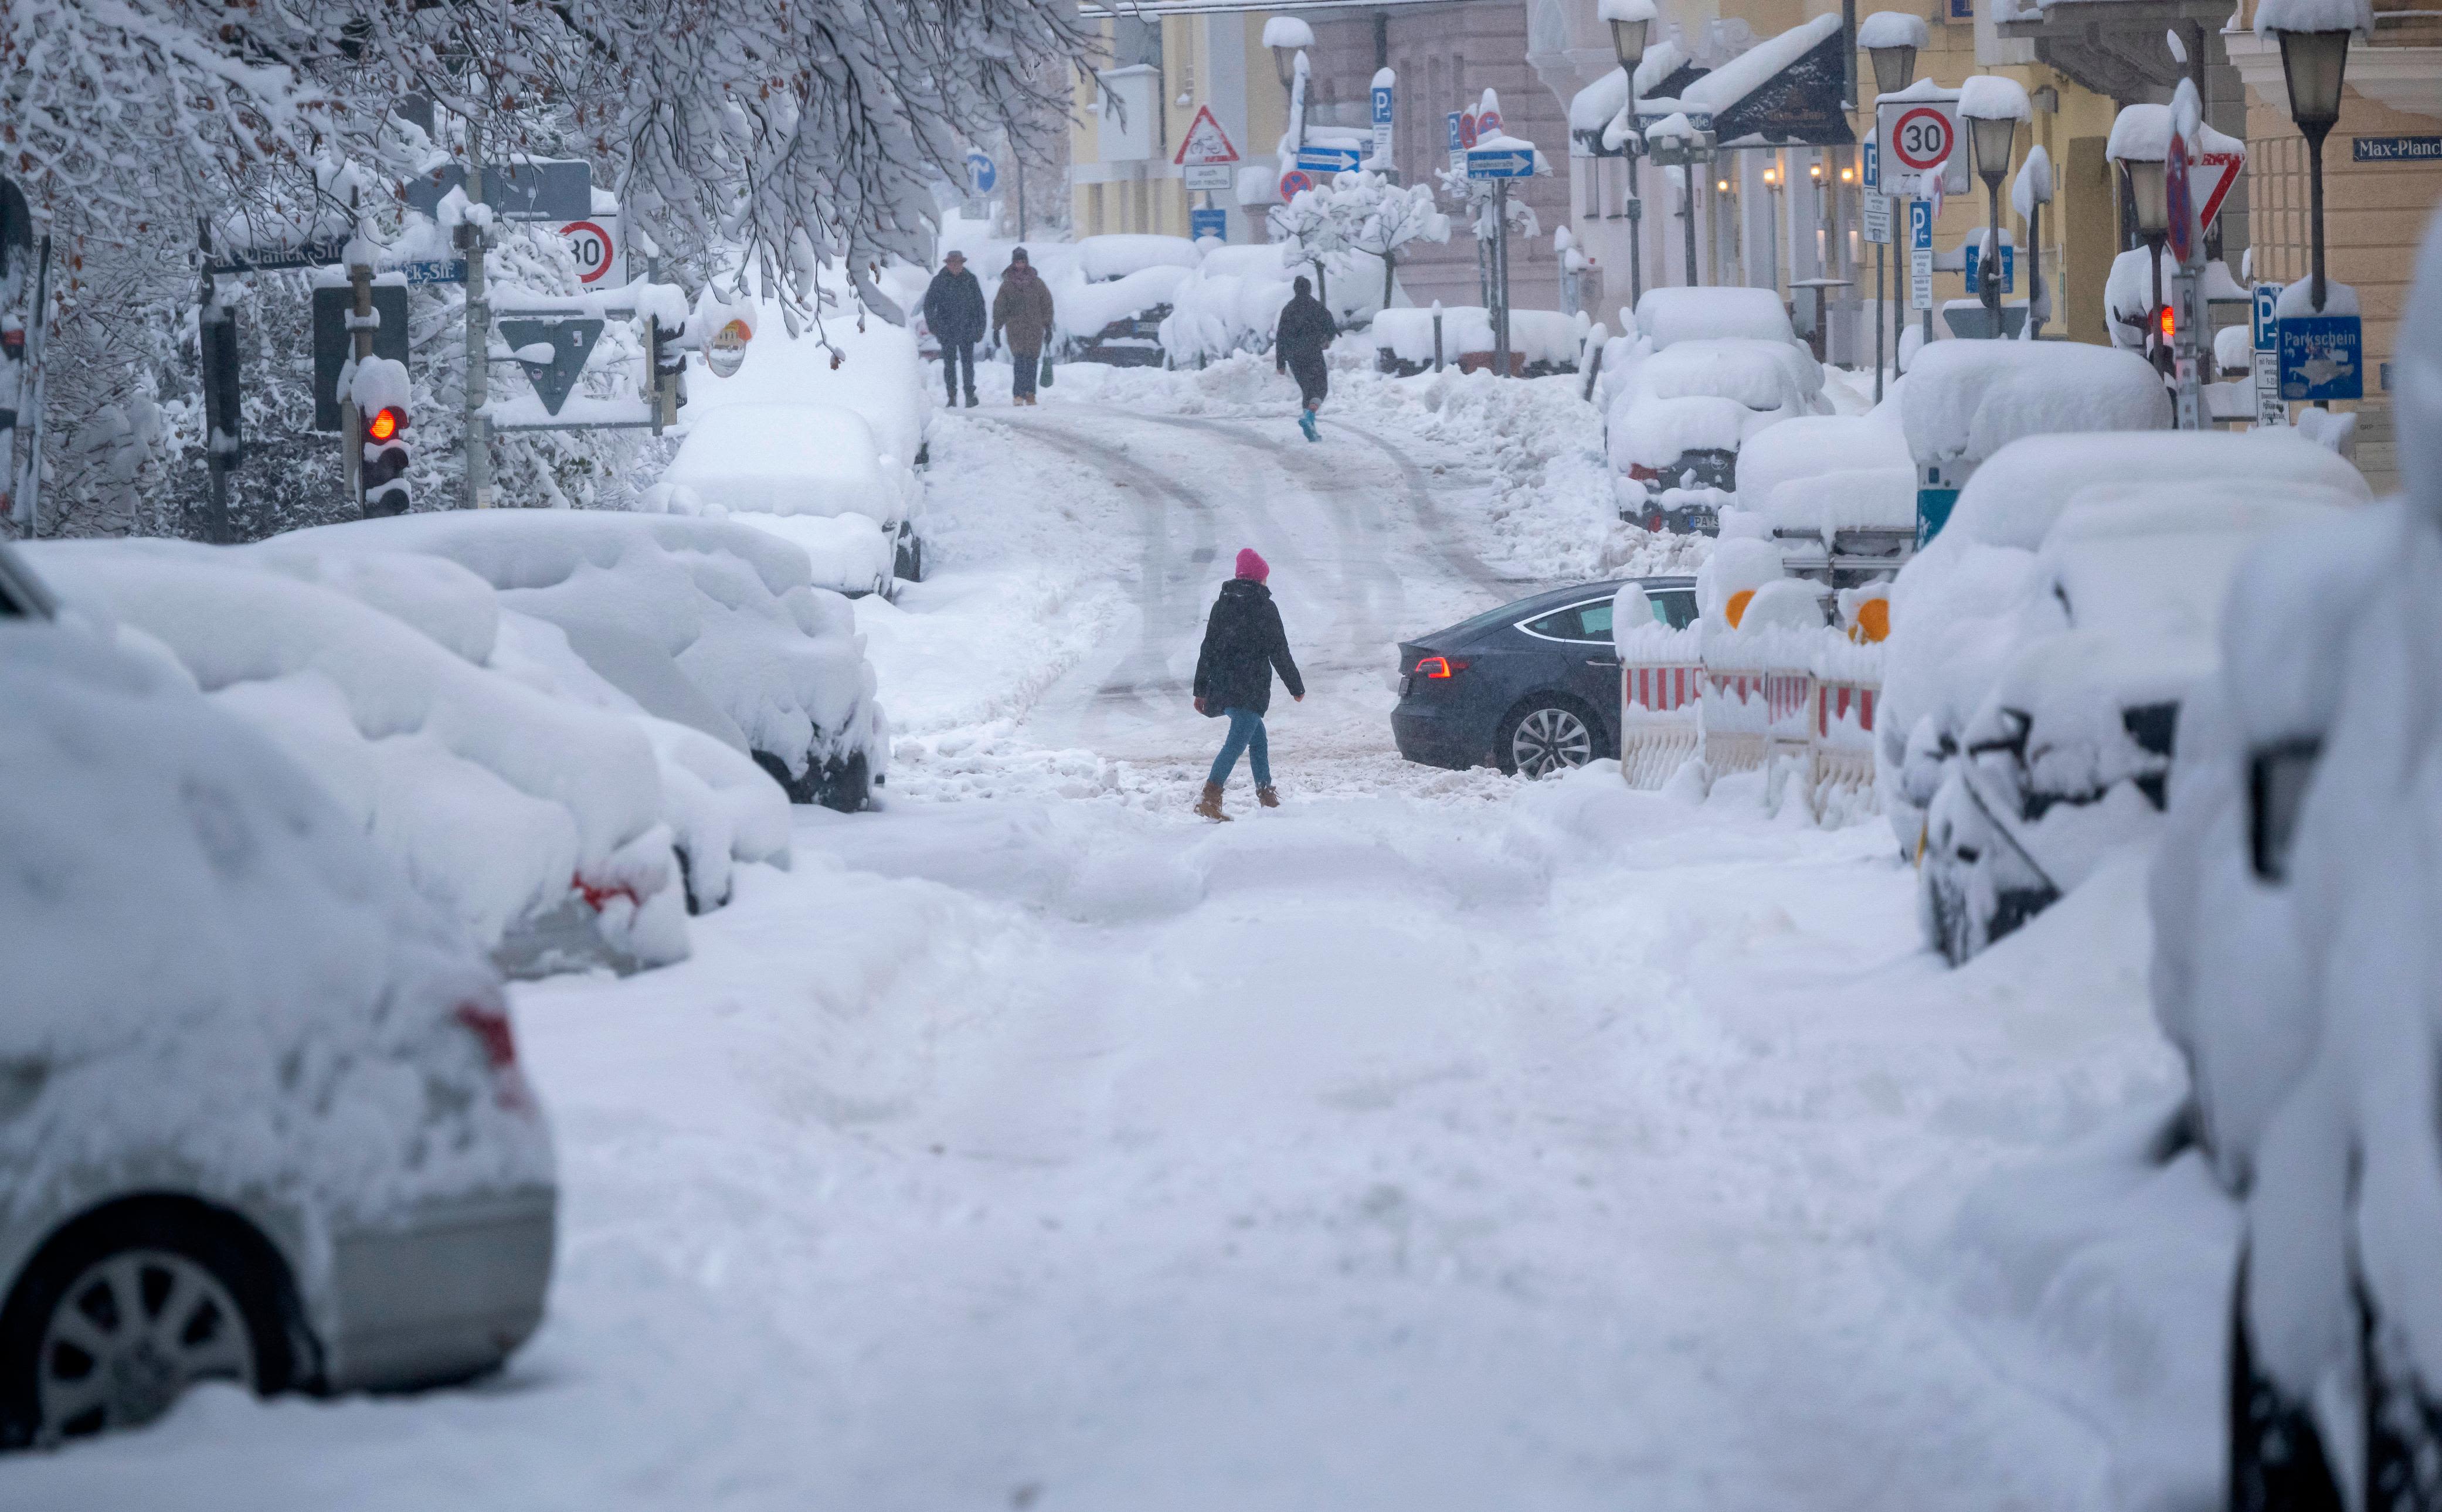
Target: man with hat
<point>954,307</point>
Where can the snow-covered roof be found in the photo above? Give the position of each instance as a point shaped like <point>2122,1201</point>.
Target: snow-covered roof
<point>1893,28</point>
<point>1966,400</point>
<point>1743,74</point>
<point>2314,15</point>
<point>1994,97</point>
<point>1593,107</point>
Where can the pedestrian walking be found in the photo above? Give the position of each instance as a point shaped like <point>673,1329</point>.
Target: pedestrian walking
<point>1244,643</point>
<point>1298,346</point>
<point>954,307</point>
<point>1022,311</point>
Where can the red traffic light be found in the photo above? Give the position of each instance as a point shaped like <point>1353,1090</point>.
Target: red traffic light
<point>385,423</point>
<point>2165,322</point>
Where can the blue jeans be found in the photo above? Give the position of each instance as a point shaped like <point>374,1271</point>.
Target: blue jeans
<point>1246,734</point>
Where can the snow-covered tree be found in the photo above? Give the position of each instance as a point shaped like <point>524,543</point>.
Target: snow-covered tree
<point>1389,216</point>
<point>1320,223</point>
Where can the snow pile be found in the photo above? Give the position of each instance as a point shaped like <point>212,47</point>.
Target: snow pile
<point>212,969</point>
<point>1667,316</point>
<point>535,823</point>
<point>1084,311</point>
<point>1653,433</point>
<point>1992,96</point>
<point>1287,31</point>
<point>708,623</point>
<point>1966,400</point>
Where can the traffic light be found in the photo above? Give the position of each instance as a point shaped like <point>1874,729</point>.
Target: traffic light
<point>386,490</point>
<point>2164,320</point>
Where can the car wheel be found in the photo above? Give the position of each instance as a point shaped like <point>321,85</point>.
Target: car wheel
<point>846,785</point>
<point>115,1321</point>
<point>911,558</point>
<point>1542,736</point>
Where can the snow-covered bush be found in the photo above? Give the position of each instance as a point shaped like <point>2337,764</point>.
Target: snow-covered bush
<point>534,822</point>
<point>216,971</point>
<point>2042,645</point>
<point>1233,302</point>
<point>651,600</point>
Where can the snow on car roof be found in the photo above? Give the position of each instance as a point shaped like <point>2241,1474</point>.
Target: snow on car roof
<point>1759,374</point>
<point>2020,491</point>
<point>1119,254</point>
<point>785,459</point>
<point>1966,400</point>
<point>212,960</point>
<point>1669,315</point>
<point>1812,444</point>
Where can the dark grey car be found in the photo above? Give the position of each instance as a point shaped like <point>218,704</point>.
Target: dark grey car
<point>1531,686</point>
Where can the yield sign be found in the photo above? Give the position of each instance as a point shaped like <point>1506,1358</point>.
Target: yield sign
<point>2209,177</point>
<point>566,341</point>
<point>1206,144</point>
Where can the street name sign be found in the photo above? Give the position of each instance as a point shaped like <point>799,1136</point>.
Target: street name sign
<point>322,253</point>
<point>2395,150</point>
<point>1501,163</point>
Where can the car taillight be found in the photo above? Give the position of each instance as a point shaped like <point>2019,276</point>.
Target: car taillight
<point>1439,666</point>
<point>1639,472</point>
<point>490,1026</point>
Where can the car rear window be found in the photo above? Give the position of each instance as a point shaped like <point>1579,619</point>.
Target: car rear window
<point>1676,608</point>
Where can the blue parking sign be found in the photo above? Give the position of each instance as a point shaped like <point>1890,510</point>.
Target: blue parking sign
<point>1976,265</point>
<point>2322,357</point>
<point>1921,223</point>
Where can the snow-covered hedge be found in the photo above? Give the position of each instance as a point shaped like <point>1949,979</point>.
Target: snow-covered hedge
<point>1541,339</point>
<point>532,821</point>
<point>717,607</point>
<point>214,968</point>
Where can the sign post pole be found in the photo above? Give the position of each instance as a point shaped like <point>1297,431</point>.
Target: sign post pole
<point>361,321</point>
<point>1501,277</point>
<point>479,330</point>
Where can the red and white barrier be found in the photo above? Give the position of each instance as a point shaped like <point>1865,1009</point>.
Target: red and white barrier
<point>1785,703</point>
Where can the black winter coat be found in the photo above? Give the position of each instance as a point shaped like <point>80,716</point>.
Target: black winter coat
<point>1242,643</point>
<point>954,307</point>
<point>1305,329</point>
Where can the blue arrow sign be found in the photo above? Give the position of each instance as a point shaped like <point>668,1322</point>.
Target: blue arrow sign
<point>1501,163</point>
<point>981,171</point>
<point>1329,159</point>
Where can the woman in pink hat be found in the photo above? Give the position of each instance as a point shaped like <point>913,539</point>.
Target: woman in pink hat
<point>1243,643</point>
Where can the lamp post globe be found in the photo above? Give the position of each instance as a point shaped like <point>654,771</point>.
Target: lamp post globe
<point>1990,141</point>
<point>2149,204</point>
<point>1894,68</point>
<point>1630,31</point>
<point>1284,62</point>
<point>1628,40</point>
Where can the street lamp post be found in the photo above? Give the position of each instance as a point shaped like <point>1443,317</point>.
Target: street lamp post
<point>2314,63</point>
<point>1894,59</point>
<point>1632,27</point>
<point>1992,106</point>
<point>2149,201</point>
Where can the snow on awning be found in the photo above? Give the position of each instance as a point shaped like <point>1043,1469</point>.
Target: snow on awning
<point>1664,71</point>
<point>1787,91</point>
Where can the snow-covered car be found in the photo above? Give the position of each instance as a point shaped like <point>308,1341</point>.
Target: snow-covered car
<point>812,475</point>
<point>2057,731</point>
<point>710,624</point>
<point>1838,493</point>
<point>261,1113</point>
<point>1710,370</point>
<point>532,821</point>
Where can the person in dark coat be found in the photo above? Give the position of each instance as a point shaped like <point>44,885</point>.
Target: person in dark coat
<point>1305,331</point>
<point>954,307</point>
<point>1244,643</point>
<point>1022,309</point>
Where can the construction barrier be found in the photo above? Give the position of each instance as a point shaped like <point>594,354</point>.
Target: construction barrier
<point>1814,721</point>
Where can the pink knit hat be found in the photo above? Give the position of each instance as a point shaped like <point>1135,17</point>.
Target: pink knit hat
<point>1252,566</point>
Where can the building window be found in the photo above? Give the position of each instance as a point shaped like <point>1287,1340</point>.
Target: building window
<point>2277,209</point>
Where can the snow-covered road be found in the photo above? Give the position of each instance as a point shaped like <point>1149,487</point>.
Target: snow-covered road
<point>1435,1141</point>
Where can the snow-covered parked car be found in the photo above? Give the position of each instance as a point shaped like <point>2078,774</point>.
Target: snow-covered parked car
<point>809,474</point>
<point>705,622</point>
<point>1837,492</point>
<point>261,1114</point>
<point>1113,298</point>
<point>532,821</point>
<point>2293,903</point>
<point>2043,645</point>
<point>1709,369</point>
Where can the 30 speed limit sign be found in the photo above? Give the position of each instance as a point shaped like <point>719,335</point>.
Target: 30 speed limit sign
<point>593,247</point>
<point>1921,139</point>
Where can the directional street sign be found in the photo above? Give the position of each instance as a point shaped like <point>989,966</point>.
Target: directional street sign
<point>434,270</point>
<point>1919,254</point>
<point>1329,159</point>
<point>323,253</point>
<point>569,340</point>
<point>982,173</point>
<point>561,189</point>
<point>1501,163</point>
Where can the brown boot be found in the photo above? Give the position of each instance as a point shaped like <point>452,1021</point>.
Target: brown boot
<point>1209,805</point>
<point>1269,797</point>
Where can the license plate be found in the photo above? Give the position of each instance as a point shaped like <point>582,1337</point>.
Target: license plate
<point>1406,685</point>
